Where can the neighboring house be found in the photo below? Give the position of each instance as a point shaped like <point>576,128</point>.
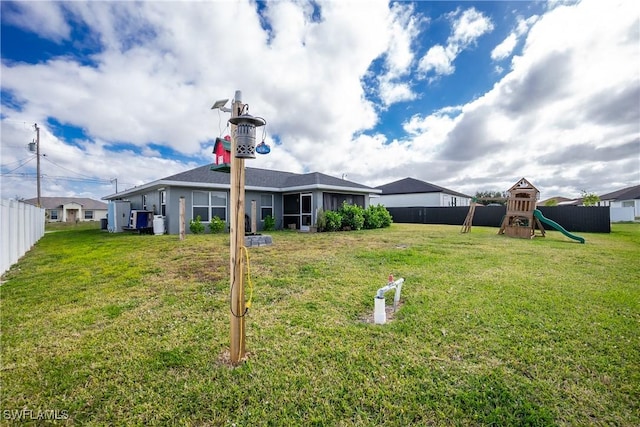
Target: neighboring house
<point>559,201</point>
<point>410,192</point>
<point>292,199</point>
<point>626,198</point>
<point>71,209</point>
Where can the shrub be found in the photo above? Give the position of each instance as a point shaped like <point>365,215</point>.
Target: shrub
<point>333,221</point>
<point>321,220</point>
<point>384,215</point>
<point>196,226</point>
<point>372,219</point>
<point>352,216</point>
<point>377,217</point>
<point>269,223</point>
<point>217,225</point>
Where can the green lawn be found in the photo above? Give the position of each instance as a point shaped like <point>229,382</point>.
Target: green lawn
<point>119,329</point>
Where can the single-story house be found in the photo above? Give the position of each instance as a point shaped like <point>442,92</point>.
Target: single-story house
<point>71,209</point>
<point>626,198</point>
<point>410,192</point>
<point>292,199</point>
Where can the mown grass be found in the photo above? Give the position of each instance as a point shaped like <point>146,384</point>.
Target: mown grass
<point>123,329</point>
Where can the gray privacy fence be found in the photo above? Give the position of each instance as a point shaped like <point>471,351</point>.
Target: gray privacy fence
<point>588,219</point>
<point>22,225</point>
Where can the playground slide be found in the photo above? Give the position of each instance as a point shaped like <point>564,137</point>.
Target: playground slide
<point>557,226</point>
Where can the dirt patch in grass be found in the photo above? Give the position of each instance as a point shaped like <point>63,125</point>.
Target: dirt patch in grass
<point>389,310</point>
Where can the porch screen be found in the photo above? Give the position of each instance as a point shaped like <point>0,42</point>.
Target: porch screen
<point>334,201</point>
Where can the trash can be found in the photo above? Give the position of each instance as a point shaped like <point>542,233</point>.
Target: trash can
<point>158,225</point>
<point>103,223</point>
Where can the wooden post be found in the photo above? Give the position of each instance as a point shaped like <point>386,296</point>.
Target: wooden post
<point>182,218</point>
<point>254,221</point>
<point>237,349</point>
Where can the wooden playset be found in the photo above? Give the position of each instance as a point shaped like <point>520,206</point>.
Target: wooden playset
<point>522,217</point>
<point>521,203</point>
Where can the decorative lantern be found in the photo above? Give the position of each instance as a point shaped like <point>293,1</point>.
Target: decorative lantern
<point>246,135</point>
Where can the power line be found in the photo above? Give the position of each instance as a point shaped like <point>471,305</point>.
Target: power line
<point>68,170</point>
<point>17,161</point>
<point>18,167</point>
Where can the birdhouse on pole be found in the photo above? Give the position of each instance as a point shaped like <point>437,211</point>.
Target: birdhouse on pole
<point>222,152</point>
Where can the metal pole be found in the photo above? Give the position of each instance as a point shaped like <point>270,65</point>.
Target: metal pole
<point>38,161</point>
<point>237,348</point>
<point>182,220</point>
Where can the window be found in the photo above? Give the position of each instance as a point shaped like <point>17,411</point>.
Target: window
<point>208,204</point>
<point>88,214</point>
<point>144,202</point>
<point>266,206</point>
<point>163,202</point>
<point>628,204</point>
<point>54,214</point>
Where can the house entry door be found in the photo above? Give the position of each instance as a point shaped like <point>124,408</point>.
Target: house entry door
<point>305,211</point>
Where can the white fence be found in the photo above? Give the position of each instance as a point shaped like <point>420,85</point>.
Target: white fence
<point>622,214</point>
<point>22,226</point>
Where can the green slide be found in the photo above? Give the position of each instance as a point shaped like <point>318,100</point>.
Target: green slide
<point>557,226</point>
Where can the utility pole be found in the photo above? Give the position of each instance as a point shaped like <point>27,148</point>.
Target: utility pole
<point>38,161</point>
<point>237,348</point>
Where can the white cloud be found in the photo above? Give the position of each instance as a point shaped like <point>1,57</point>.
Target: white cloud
<point>43,18</point>
<point>467,27</point>
<point>404,28</point>
<point>505,48</point>
<point>567,105</point>
<point>438,59</point>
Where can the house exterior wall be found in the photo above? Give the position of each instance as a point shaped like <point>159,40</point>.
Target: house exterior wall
<point>410,200</point>
<point>422,200</point>
<point>173,195</point>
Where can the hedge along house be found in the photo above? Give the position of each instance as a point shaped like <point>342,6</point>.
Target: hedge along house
<point>292,199</point>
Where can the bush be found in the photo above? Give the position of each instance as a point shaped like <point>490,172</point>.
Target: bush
<point>196,226</point>
<point>333,221</point>
<point>352,216</point>
<point>269,223</point>
<point>372,219</point>
<point>217,225</point>
<point>321,220</point>
<point>383,214</point>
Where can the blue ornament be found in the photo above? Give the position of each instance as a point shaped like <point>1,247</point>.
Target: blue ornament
<point>263,148</point>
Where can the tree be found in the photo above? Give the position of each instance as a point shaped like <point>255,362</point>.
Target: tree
<point>589,199</point>
<point>491,196</point>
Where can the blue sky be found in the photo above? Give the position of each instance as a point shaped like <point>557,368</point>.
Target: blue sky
<point>467,95</point>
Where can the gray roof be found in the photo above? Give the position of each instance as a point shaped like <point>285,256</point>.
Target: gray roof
<point>57,202</point>
<point>412,186</point>
<point>255,178</point>
<point>629,193</point>
<point>263,178</point>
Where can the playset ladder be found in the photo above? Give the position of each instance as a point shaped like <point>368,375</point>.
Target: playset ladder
<point>466,226</point>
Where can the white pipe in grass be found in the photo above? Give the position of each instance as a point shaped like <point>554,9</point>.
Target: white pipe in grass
<point>379,313</point>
